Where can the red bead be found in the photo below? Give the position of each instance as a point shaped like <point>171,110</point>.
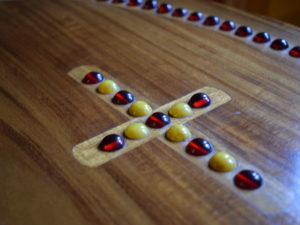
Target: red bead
<point>199,100</point>
<point>158,120</point>
<point>295,52</point>
<point>279,44</point>
<point>112,142</point>
<point>262,37</point>
<point>199,147</point>
<point>118,1</point>
<point>179,12</point>
<point>248,180</point>
<point>195,16</point>
<point>134,2</point>
<point>123,98</point>
<point>227,26</point>
<point>92,78</point>
<point>164,8</point>
<point>211,21</point>
<point>150,4</point>
<point>243,31</point>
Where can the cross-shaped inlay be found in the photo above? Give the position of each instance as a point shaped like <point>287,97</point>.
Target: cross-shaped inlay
<point>90,152</point>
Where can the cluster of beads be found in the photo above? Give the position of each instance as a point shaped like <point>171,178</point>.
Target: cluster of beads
<point>198,147</point>
<point>242,31</point>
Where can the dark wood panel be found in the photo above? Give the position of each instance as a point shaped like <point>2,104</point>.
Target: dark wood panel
<point>44,113</point>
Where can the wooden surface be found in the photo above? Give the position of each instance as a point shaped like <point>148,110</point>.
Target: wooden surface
<point>44,113</point>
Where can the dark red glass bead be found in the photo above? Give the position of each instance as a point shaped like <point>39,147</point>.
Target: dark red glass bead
<point>199,100</point>
<point>92,78</point>
<point>179,12</point>
<point>118,1</point>
<point>134,2</point>
<point>295,52</point>
<point>243,31</point>
<point>150,4</point>
<point>227,26</point>
<point>195,16</point>
<point>158,120</point>
<point>262,37</point>
<point>279,44</point>
<point>123,98</point>
<point>111,143</point>
<point>211,21</point>
<point>248,180</point>
<point>164,8</point>
<point>199,147</point>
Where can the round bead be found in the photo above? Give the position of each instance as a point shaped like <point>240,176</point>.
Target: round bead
<point>248,180</point>
<point>211,21</point>
<point>139,108</point>
<point>295,52</point>
<point>177,133</point>
<point>195,16</point>
<point>136,131</point>
<point>123,98</point>
<point>158,120</point>
<point>150,4</point>
<point>222,162</point>
<point>92,78</point>
<point>111,143</point>
<point>199,147</point>
<point>180,110</point>
<point>279,44</point>
<point>227,26</point>
<point>243,31</point>
<point>164,8</point>
<point>199,100</point>
<point>134,2</point>
<point>262,37</point>
<point>108,87</point>
<point>179,12</point>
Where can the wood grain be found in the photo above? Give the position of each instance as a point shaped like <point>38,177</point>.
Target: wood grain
<point>44,113</point>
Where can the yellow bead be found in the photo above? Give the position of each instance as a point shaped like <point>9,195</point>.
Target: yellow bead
<point>139,108</point>
<point>222,162</point>
<point>136,131</point>
<point>108,87</point>
<point>180,110</point>
<point>178,133</point>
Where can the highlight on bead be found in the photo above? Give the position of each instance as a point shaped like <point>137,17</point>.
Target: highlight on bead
<point>164,8</point>
<point>150,4</point>
<point>111,143</point>
<point>93,78</point>
<point>248,180</point>
<point>139,108</point>
<point>199,100</point>
<point>108,87</point>
<point>158,120</point>
<point>199,147</point>
<point>222,162</point>
<point>123,98</point>
<point>178,133</point>
<point>195,16</point>
<point>136,131</point>
<point>180,110</point>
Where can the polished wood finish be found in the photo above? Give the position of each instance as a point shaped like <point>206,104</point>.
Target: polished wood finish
<point>44,113</point>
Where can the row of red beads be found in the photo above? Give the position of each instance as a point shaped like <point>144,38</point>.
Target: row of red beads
<point>242,31</point>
